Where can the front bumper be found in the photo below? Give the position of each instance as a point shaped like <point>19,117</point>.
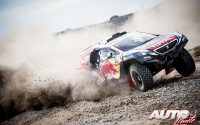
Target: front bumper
<point>166,53</point>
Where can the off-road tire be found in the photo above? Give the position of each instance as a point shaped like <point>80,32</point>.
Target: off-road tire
<point>141,77</point>
<point>184,63</point>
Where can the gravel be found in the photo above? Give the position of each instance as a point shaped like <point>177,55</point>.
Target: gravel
<point>178,93</point>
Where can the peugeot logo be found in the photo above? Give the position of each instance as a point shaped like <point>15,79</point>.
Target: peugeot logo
<point>167,47</point>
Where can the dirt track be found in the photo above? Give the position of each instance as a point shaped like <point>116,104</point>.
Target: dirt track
<point>178,93</point>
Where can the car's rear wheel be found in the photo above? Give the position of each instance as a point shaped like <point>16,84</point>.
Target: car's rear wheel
<point>141,77</point>
<point>184,63</point>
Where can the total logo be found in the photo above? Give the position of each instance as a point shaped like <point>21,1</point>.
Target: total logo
<point>183,117</point>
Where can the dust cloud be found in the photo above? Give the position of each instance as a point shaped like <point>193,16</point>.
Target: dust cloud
<point>172,15</point>
<point>38,70</point>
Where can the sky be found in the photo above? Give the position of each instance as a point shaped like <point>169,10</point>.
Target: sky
<point>58,15</point>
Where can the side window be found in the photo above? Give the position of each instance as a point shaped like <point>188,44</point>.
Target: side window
<point>114,53</point>
<point>104,53</point>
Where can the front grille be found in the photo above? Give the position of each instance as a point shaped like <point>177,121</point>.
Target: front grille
<point>167,47</point>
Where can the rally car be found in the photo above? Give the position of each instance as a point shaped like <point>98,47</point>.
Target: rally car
<point>137,57</point>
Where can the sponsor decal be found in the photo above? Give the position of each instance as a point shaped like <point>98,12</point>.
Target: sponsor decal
<point>162,43</point>
<point>182,117</point>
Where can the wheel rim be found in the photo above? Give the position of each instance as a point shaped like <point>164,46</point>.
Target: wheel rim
<point>137,80</point>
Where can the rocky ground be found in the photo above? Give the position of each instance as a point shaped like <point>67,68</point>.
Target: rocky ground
<point>177,93</point>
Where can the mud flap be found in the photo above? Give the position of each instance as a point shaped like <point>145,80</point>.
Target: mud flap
<point>130,82</point>
<point>169,70</point>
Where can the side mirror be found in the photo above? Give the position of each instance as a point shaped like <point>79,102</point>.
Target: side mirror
<point>110,55</point>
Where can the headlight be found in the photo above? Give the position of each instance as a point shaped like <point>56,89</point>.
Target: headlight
<point>147,57</point>
<point>153,54</point>
<point>144,54</point>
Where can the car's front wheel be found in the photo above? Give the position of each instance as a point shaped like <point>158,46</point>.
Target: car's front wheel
<point>184,63</point>
<point>141,77</point>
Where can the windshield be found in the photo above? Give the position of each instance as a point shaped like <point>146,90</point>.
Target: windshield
<point>133,41</point>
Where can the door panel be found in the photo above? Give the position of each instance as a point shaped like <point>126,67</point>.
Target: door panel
<point>111,68</point>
